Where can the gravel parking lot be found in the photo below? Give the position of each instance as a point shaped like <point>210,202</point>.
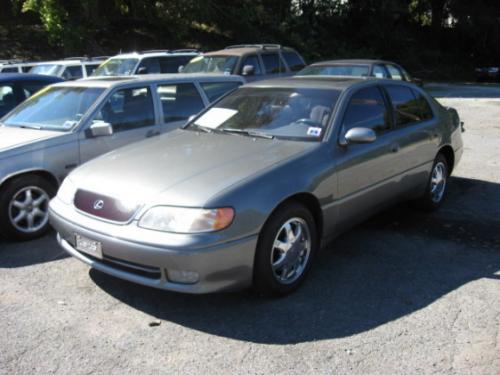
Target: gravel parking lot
<point>404,293</point>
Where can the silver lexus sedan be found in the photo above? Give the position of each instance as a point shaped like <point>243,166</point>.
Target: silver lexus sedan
<point>69,123</point>
<point>249,189</point>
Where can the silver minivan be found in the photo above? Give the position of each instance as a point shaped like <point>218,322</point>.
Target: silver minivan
<point>66,124</point>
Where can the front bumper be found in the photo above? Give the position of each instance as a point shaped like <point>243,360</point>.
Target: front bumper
<point>224,266</point>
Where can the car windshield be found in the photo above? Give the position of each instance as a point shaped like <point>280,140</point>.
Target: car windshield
<point>47,69</point>
<point>211,64</point>
<point>335,70</point>
<point>289,113</point>
<point>54,108</point>
<point>116,67</point>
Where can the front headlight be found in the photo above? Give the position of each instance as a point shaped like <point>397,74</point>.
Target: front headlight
<point>67,191</point>
<point>186,220</point>
<point>494,69</point>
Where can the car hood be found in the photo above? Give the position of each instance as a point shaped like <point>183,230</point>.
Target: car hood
<point>183,168</point>
<point>13,137</point>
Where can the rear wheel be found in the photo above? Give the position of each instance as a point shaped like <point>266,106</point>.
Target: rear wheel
<point>437,186</point>
<point>285,250</point>
<point>24,207</point>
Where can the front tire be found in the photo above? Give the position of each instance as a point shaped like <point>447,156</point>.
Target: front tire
<point>285,250</point>
<point>24,207</point>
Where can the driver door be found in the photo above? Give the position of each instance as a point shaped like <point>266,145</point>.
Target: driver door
<point>367,171</point>
<point>132,116</point>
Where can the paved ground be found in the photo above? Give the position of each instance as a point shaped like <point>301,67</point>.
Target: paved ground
<point>405,293</point>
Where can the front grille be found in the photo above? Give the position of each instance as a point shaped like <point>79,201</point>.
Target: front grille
<point>153,273</point>
<point>103,206</point>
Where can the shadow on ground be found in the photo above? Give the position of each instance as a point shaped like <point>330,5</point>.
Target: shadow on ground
<point>27,253</point>
<point>391,266</point>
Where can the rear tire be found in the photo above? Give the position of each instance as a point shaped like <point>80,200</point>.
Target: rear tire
<point>285,250</point>
<point>24,207</point>
<point>437,187</point>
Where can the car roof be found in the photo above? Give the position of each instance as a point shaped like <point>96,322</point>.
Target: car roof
<point>353,61</point>
<point>29,77</point>
<point>239,51</point>
<point>130,55</point>
<point>68,62</point>
<point>112,81</point>
<point>310,82</point>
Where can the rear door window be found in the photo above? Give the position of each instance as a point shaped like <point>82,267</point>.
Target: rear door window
<point>252,60</point>
<point>151,64</point>
<point>72,72</point>
<point>424,106</point>
<point>293,61</point>
<point>90,68</point>
<point>179,101</point>
<point>128,109</point>
<point>379,71</point>
<point>405,105</point>
<point>214,90</point>
<point>367,109</point>
<point>273,63</point>
<point>171,64</point>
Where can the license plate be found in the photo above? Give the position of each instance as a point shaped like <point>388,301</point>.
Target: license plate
<point>88,246</point>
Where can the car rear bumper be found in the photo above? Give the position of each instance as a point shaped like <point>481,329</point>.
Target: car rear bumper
<point>220,267</point>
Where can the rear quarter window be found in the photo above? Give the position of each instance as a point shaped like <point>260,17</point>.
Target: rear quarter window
<point>273,63</point>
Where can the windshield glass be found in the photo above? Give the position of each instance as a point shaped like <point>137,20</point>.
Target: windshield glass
<point>336,70</point>
<point>116,67</point>
<point>54,108</point>
<point>47,69</point>
<point>299,114</point>
<point>211,64</point>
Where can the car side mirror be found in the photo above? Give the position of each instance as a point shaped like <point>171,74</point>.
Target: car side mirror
<point>101,129</point>
<point>248,70</point>
<point>359,135</point>
<point>180,69</point>
<point>142,70</point>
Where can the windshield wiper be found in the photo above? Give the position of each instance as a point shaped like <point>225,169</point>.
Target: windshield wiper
<point>37,127</point>
<point>250,133</point>
<point>198,127</point>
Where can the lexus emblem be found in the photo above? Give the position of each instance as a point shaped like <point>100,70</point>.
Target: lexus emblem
<point>98,204</point>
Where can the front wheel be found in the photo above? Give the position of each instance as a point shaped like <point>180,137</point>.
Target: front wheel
<point>285,250</point>
<point>24,207</point>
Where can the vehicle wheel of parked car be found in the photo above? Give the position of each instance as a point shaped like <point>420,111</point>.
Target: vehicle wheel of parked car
<point>285,251</point>
<point>437,187</point>
<point>24,207</point>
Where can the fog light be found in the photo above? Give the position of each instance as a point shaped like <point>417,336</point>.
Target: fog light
<point>183,277</point>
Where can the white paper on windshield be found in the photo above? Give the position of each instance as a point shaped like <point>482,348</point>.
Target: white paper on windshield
<point>316,132</point>
<point>215,117</point>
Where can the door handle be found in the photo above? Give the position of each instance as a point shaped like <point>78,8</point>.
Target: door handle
<point>152,133</point>
<point>395,148</point>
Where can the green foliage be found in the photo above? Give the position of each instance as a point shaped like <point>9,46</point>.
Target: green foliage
<point>425,35</point>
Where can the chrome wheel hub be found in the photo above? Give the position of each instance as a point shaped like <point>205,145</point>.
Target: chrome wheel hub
<point>438,182</point>
<point>29,209</point>
<point>291,250</point>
